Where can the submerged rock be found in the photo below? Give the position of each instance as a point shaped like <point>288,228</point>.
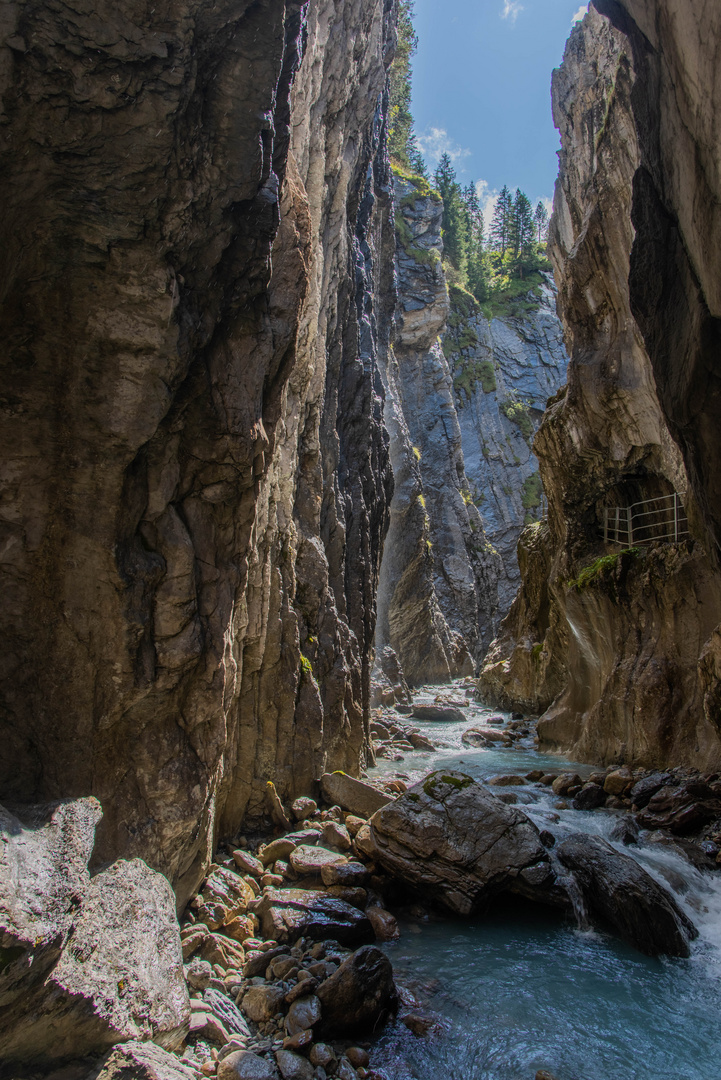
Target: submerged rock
<point>620,892</point>
<point>460,845</point>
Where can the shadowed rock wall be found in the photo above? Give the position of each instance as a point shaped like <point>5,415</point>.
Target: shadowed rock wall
<point>195,473</point>
<point>614,659</point>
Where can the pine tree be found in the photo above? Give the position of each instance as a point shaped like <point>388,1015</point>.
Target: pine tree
<point>501,225</point>
<point>540,221</point>
<point>455,218</point>
<point>402,145</point>
<point>523,229</point>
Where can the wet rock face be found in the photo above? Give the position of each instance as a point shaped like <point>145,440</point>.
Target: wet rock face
<point>437,591</point>
<point>196,475</point>
<point>620,892</point>
<point>614,658</point>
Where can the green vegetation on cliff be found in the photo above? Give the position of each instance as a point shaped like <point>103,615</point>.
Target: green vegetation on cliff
<point>604,571</point>
<point>402,145</point>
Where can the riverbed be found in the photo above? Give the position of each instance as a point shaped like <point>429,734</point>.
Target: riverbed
<point>521,989</point>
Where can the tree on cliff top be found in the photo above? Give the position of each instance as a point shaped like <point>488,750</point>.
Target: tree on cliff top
<point>402,145</point>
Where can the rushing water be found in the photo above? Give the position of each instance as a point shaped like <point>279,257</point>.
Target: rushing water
<point>520,989</point>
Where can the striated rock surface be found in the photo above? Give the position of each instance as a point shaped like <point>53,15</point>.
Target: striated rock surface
<point>86,962</point>
<point>195,473</point>
<point>457,843</point>
<point>607,643</point>
<point>437,589</point>
<point>504,370</point>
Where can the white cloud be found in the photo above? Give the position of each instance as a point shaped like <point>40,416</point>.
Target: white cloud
<point>487,198</point>
<point>437,142</point>
<point>511,9</point>
<point>583,10</point>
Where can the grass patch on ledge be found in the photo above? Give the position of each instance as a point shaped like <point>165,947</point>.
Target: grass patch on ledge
<point>600,570</point>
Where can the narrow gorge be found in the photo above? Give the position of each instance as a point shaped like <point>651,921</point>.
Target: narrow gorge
<point>361,636</point>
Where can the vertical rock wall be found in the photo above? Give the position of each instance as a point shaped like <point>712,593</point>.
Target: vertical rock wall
<point>437,598</point>
<point>504,370</point>
<point>613,658</point>
<point>195,472</point>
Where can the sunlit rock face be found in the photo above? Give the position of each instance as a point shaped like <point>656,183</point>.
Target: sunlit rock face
<point>612,659</point>
<point>438,584</point>
<point>195,467</point>
<point>504,371</point>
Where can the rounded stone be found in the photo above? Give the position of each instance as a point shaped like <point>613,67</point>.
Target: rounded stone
<point>243,1065</point>
<point>303,1014</point>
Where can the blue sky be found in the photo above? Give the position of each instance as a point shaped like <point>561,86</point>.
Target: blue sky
<point>481,88</point>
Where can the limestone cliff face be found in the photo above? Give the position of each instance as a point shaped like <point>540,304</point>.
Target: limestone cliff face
<point>437,597</point>
<point>613,658</point>
<point>195,468</point>
<point>504,370</point>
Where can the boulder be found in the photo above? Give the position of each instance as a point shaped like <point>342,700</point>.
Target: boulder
<point>242,1065</point>
<point>304,1013</point>
<point>278,849</point>
<point>303,808</point>
<point>384,924</point>
<point>621,893</point>
<point>353,795</point>
<point>92,962</point>
<point>420,742</point>
<point>248,863</point>
<point>260,1003</point>
<point>565,783</point>
<point>681,809</point>
<point>293,1066</point>
<point>285,915</point>
<point>453,840</point>
<point>143,1061</point>
<point>449,714</point>
<point>485,736</point>
<point>347,875</point>
<point>590,797</point>
<point>334,835</point>
<point>642,791</point>
<point>625,831</point>
<point>360,995</point>
<point>618,782</point>
<point>310,861</point>
<point>227,1012</point>
<point>506,780</point>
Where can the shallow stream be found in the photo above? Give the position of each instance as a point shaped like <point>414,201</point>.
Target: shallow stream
<point>520,989</point>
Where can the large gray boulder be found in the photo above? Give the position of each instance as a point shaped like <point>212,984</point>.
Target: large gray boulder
<point>352,795</point>
<point>86,963</point>
<point>460,845</point>
<point>621,893</point>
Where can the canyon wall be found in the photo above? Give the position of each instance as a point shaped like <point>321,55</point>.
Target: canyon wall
<point>504,370</point>
<point>622,656</point>
<point>196,475</point>
<point>438,584</point>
